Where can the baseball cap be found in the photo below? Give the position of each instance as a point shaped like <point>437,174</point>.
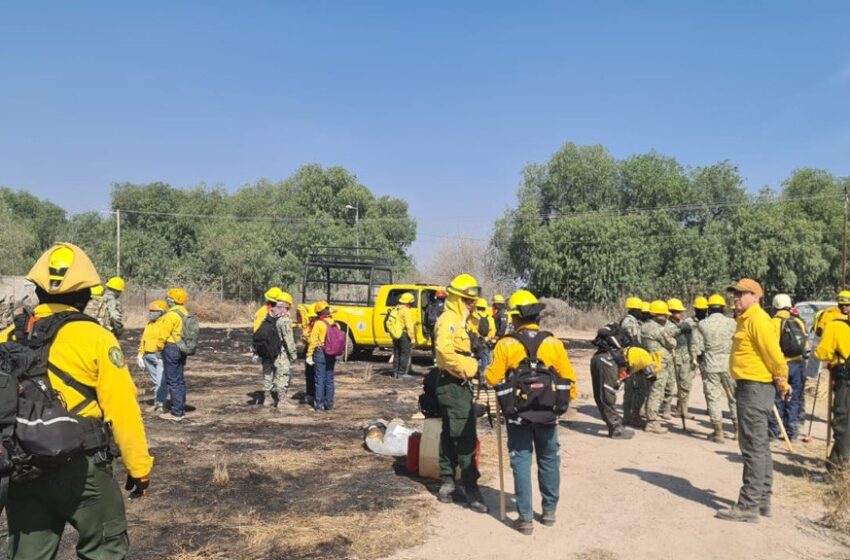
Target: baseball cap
<point>747,285</point>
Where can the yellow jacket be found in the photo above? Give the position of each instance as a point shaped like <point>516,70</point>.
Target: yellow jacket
<point>834,347</point>
<point>452,344</point>
<point>777,324</point>
<point>90,354</point>
<point>756,355</point>
<point>405,317</point>
<point>509,352</point>
<point>259,316</point>
<point>151,341</point>
<point>318,334</point>
<point>171,325</point>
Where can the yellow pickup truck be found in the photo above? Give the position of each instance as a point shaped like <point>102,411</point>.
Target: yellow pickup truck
<point>361,291</point>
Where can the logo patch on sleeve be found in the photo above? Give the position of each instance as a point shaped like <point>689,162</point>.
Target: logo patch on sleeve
<point>116,357</point>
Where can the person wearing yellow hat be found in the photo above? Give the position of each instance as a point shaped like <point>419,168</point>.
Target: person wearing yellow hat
<point>266,343</point>
<point>173,359</point>
<point>611,368</point>
<point>760,370</point>
<point>794,343</point>
<point>94,303</point>
<point>700,307</point>
<point>323,364</point>
<point>636,387</point>
<point>109,312</point>
<point>711,345</point>
<point>276,385</point>
<point>679,383</point>
<point>834,349</point>
<point>482,332</point>
<point>402,327</point>
<point>535,429</point>
<point>655,337</point>
<point>454,393</point>
<point>500,315</point>
<point>86,368</point>
<point>149,357</point>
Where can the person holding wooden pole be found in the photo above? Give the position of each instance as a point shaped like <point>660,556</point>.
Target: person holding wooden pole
<point>522,365</point>
<point>834,349</point>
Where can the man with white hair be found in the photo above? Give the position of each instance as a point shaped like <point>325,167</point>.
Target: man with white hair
<point>794,342</point>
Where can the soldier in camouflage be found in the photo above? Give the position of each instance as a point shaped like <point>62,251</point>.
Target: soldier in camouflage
<point>109,313</point>
<point>635,387</point>
<point>5,312</point>
<point>277,384</point>
<point>655,337</point>
<point>711,344</point>
<point>684,363</point>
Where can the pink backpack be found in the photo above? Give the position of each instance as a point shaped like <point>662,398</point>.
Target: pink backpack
<point>334,340</point>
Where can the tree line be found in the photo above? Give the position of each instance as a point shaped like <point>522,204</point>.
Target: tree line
<point>205,237</point>
<point>591,229</point>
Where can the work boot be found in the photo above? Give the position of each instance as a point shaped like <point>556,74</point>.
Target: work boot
<point>738,513</point>
<point>524,526</point>
<point>635,423</point>
<point>682,409</point>
<point>445,492</point>
<point>475,500</point>
<point>734,430</point>
<point>621,433</point>
<point>717,436</point>
<point>548,518</point>
<point>656,427</point>
<point>665,412</point>
<point>275,399</point>
<point>765,510</point>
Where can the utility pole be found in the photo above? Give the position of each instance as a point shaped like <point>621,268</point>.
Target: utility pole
<point>356,209</point>
<point>844,246</point>
<point>118,242</point>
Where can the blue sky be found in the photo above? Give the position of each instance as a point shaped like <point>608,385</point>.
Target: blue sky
<point>440,103</point>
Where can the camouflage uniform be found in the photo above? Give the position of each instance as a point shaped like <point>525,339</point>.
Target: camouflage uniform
<point>683,363</point>
<point>276,379</point>
<point>658,338</point>
<point>109,314</point>
<point>636,387</point>
<point>711,344</point>
<point>5,312</point>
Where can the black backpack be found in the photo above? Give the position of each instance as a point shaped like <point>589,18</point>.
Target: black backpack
<point>612,337</point>
<point>266,341</point>
<point>37,430</point>
<point>428,404</point>
<point>531,392</point>
<point>792,338</point>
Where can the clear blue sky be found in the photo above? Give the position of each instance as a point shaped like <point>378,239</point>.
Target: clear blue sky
<point>440,103</point>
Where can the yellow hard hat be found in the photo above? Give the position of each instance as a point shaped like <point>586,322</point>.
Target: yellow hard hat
<point>272,294</point>
<point>634,302</point>
<point>97,291</point>
<point>524,304</point>
<point>464,286</point>
<point>498,298</point>
<point>158,305</point>
<point>844,297</point>
<point>323,307</point>
<point>115,283</point>
<point>178,295</point>
<point>644,307</point>
<point>285,297</point>
<point>716,300</point>
<point>638,359</point>
<point>700,302</point>
<point>675,304</point>
<point>62,269</point>
<point>406,298</point>
<point>481,303</point>
<point>658,307</point>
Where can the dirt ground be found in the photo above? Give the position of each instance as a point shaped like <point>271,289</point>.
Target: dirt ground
<point>236,481</point>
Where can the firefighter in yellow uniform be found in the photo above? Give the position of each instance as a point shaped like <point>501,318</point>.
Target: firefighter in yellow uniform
<point>834,349</point>
<point>87,369</point>
<point>454,393</point>
<point>523,434</point>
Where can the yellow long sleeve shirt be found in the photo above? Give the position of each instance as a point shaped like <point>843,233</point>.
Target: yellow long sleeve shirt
<point>509,352</point>
<point>151,341</point>
<point>777,324</point>
<point>171,325</point>
<point>405,317</point>
<point>259,316</point>
<point>318,334</point>
<point>834,346</point>
<point>90,354</point>
<point>756,355</point>
<point>452,345</point>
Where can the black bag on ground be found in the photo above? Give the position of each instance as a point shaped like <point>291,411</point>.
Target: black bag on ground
<point>266,341</point>
<point>36,427</point>
<point>428,404</point>
<point>533,392</point>
<point>792,338</point>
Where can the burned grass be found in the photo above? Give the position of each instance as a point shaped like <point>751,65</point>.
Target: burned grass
<point>239,481</point>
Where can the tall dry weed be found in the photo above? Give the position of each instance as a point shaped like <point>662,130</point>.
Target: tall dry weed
<point>837,500</point>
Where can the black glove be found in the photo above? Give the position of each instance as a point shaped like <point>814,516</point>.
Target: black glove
<point>139,486</point>
<point>685,328</point>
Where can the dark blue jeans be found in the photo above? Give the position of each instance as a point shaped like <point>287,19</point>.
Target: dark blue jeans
<point>789,410</point>
<point>324,380</point>
<point>174,362</point>
<point>544,441</point>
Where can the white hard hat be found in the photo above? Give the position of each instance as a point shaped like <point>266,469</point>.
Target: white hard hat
<point>781,301</point>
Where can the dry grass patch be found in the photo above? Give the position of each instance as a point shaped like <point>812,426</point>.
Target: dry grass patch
<point>595,554</point>
<point>837,500</point>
